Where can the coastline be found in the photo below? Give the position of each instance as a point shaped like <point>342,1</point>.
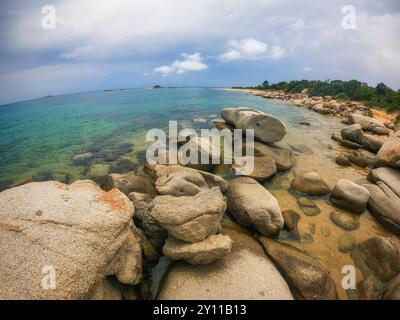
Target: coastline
<point>340,109</point>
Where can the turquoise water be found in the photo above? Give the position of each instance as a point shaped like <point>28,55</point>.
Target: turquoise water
<point>39,138</point>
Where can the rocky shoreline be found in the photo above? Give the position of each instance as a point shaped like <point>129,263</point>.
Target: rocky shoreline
<point>175,232</point>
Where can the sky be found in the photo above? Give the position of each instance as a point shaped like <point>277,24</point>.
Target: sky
<point>103,44</point>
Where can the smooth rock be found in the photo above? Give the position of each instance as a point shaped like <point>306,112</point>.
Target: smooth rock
<point>307,277</point>
<point>227,279</point>
<point>311,184</point>
<point>372,143</point>
<point>343,161</point>
<point>308,207</point>
<point>204,252</point>
<point>252,205</point>
<point>266,127</point>
<point>349,195</point>
<point>362,158</point>
<point>389,153</point>
<point>263,167</point>
<point>392,291</point>
<point>367,123</point>
<point>79,231</point>
<point>390,177</point>
<point>190,219</point>
<point>283,157</point>
<point>353,133</point>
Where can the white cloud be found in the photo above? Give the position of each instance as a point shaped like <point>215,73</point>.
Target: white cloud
<point>77,53</point>
<point>190,62</point>
<point>306,69</point>
<point>250,49</point>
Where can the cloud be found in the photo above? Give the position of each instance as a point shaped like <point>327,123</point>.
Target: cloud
<point>306,69</point>
<point>190,62</point>
<point>250,49</point>
<point>77,53</point>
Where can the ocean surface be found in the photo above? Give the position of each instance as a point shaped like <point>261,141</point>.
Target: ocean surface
<point>39,138</point>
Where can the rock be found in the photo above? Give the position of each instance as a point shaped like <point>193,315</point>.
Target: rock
<point>291,221</point>
<point>384,202</point>
<point>349,195</point>
<point>345,221</point>
<point>350,144</point>
<point>367,123</point>
<point>362,158</point>
<point>325,231</point>
<point>283,157</point>
<point>79,231</point>
<point>346,242</point>
<point>128,183</point>
<point>384,205</point>
<point>389,153</point>
<point>97,172</point>
<point>266,128</point>
<point>152,230</point>
<point>220,124</point>
<point>390,177</point>
<point>311,184</point>
<point>204,252</point>
<point>190,219</point>
<point>382,131</point>
<point>227,279</point>
<point>343,161</point>
<point>382,256</point>
<point>304,123</point>
<point>372,143</point>
<point>263,167</point>
<point>124,165</point>
<point>182,181</point>
<point>308,278</point>
<point>392,291</point>
<point>353,133</point>
<point>83,158</point>
<point>22,182</point>
<point>252,205</point>
<point>308,207</point>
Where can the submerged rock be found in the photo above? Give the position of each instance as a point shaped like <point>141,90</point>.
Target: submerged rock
<point>346,242</point>
<point>308,207</point>
<point>83,158</point>
<point>252,205</point>
<point>292,219</point>
<point>266,128</point>
<point>349,195</point>
<point>345,220</point>
<point>78,231</point>
<point>241,275</point>
<point>307,277</point>
<point>190,219</point>
<point>203,252</point>
<point>311,184</point>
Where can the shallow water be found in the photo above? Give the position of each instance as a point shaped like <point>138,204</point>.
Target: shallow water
<point>40,138</point>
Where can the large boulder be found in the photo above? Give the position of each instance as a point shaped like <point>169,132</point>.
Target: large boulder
<point>389,153</point>
<point>310,183</point>
<point>266,127</point>
<point>353,133</point>
<point>182,181</point>
<point>78,233</point>
<point>307,277</point>
<point>367,123</point>
<point>349,195</point>
<point>241,275</point>
<point>252,205</point>
<point>190,219</point>
<point>372,143</point>
<point>263,167</point>
<point>203,252</point>
<point>128,183</point>
<point>384,202</point>
<point>382,256</point>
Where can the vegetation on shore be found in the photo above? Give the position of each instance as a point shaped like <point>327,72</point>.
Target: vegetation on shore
<point>380,96</point>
